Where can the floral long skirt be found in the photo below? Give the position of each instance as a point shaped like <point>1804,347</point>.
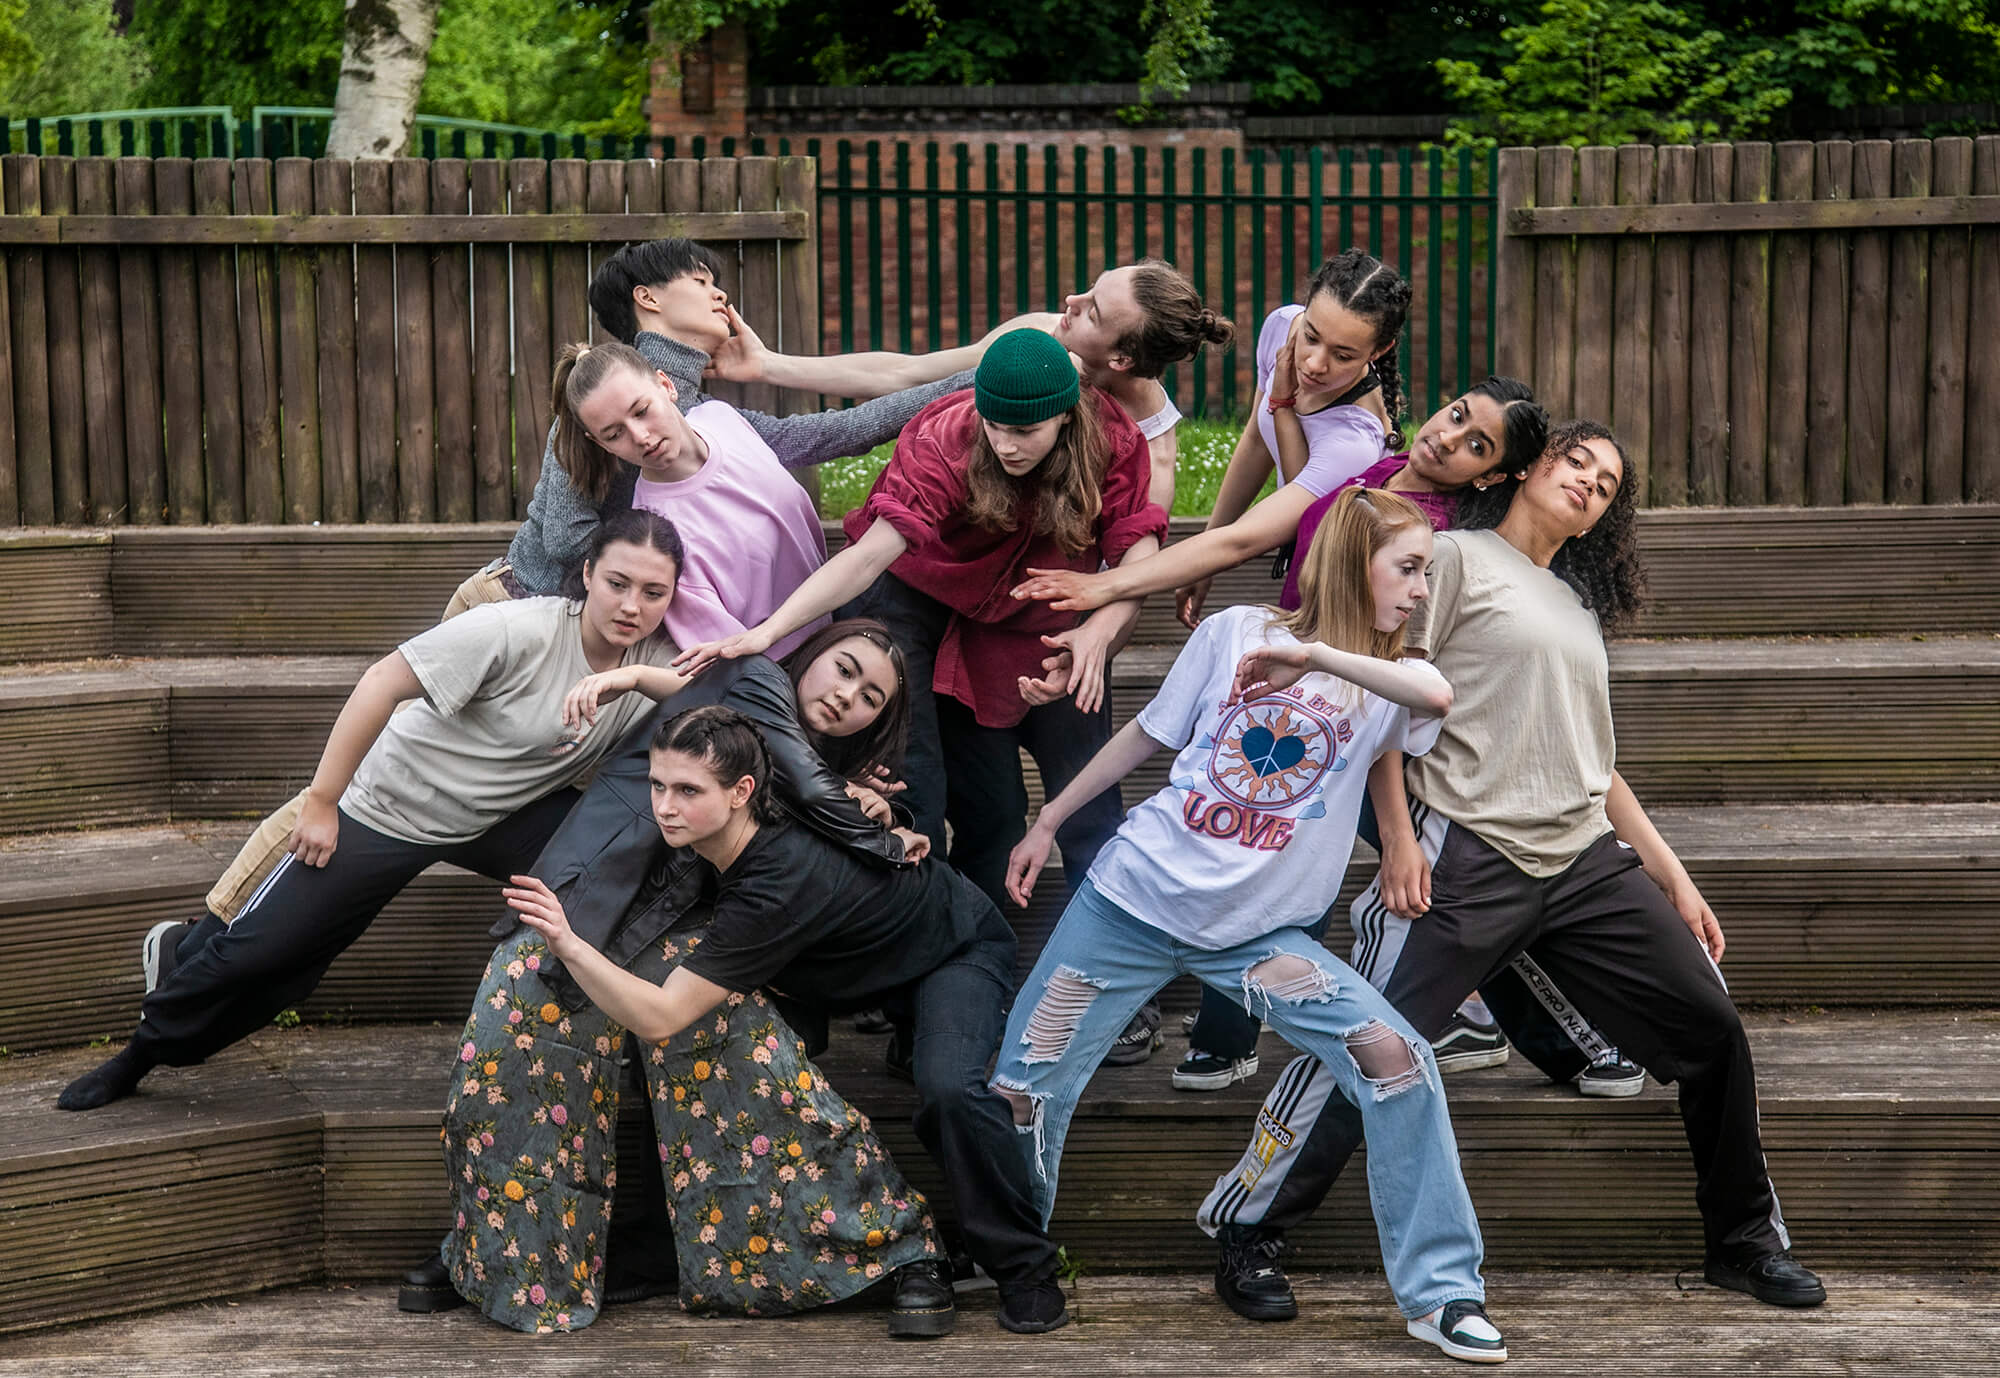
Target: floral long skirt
<point>781,1196</point>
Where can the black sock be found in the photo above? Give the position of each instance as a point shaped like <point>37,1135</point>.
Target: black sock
<point>112,1080</point>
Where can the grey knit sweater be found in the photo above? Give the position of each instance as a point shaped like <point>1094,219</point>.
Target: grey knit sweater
<point>557,530</point>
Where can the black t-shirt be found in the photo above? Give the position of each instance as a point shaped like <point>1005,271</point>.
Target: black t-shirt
<point>796,914</point>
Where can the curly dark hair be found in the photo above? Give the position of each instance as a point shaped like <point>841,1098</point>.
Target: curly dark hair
<point>1603,565</point>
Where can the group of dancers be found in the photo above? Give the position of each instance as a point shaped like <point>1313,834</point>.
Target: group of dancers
<point>716,771</point>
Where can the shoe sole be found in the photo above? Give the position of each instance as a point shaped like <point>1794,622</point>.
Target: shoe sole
<point>922,1325</point>
<point>1286,1310</point>
<point>1736,1282</point>
<point>1032,1327</point>
<point>427,1300</point>
<point>149,952</point>
<point>1212,1081</point>
<point>1433,1336</point>
<point>1611,1090</point>
<point>1470,1062</point>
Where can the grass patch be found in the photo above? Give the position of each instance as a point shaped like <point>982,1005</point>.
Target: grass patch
<point>1205,447</point>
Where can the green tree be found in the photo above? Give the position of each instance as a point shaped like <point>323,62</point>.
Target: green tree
<point>240,52</point>
<point>66,59</point>
<point>575,67</point>
<point>1605,72</point>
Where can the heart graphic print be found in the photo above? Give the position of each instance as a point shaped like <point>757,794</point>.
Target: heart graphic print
<point>1271,753</point>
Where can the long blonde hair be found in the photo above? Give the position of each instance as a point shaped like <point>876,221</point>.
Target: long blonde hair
<point>1336,602</point>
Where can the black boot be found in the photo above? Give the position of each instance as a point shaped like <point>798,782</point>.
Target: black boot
<point>1775,1279</point>
<point>427,1287</point>
<point>1249,1277</point>
<point>923,1307</point>
<point>114,1079</point>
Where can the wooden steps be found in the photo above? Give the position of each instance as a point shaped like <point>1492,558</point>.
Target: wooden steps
<point>281,590</point>
<point>319,1147</point>
<point>116,742</point>
<point>1151,1325</point>
<point>1835,905</point>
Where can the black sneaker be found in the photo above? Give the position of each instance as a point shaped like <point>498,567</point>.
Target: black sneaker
<point>1033,1308</point>
<point>427,1287</point>
<point>1248,1276</point>
<point>1467,1044</point>
<point>1461,1329</point>
<point>872,1022</point>
<point>1612,1077</point>
<point>1200,1071</point>
<point>923,1307</point>
<point>1140,1038</point>
<point>1776,1279</point>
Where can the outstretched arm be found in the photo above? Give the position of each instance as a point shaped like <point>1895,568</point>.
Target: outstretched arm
<point>652,1013</point>
<point>846,576</point>
<point>1114,760</point>
<point>1268,669</point>
<point>385,684</point>
<point>1636,830</point>
<point>873,373</point>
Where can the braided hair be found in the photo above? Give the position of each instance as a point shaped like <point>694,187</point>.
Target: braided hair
<point>1377,293</point>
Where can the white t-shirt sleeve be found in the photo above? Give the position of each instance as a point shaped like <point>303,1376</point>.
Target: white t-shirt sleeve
<point>1415,733</point>
<point>1160,422</point>
<point>454,659</point>
<point>1209,655</point>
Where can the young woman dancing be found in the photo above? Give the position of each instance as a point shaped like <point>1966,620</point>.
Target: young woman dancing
<point>476,773</point>
<point>1274,719</point>
<point>1538,848</point>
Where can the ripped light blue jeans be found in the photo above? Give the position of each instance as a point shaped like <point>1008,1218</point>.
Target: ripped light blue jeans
<point>1101,964</point>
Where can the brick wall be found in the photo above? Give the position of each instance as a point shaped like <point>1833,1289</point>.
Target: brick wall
<point>722,66</point>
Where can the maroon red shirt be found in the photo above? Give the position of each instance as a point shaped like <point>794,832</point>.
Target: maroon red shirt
<point>1441,508</point>
<point>993,638</point>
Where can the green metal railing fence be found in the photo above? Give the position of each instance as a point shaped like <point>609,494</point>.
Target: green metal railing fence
<point>186,131</point>
<point>928,258</point>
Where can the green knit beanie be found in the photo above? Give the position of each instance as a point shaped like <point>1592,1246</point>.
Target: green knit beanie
<point>1025,377</point>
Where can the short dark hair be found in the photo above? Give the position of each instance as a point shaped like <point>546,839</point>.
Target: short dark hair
<point>642,265</point>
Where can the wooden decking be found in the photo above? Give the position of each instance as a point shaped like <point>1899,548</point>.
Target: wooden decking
<point>1936,1323</point>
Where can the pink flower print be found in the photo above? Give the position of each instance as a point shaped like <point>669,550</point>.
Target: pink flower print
<point>771,1041</point>
<point>873,1270</point>
<point>483,1194</point>
<point>603,1046</point>
<point>494,1220</point>
<point>534,964</point>
<point>559,1113</point>
<point>680,1181</point>
<point>514,970</point>
<point>471,1087</point>
<point>461,1214</point>
<point>758,1280</point>
<point>562,1318</point>
<point>852,1259</point>
<point>486,1137</point>
<point>466,1053</point>
<point>827,1215</point>
<point>497,1001</point>
<point>663,1153</point>
<point>687,1150</point>
<point>760,1145</point>
<point>513,1016</point>
<point>538,1294</point>
<point>785,1098</point>
<point>524,1041</point>
<point>708,1234</point>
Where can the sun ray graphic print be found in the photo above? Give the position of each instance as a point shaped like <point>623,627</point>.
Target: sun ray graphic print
<point>1271,753</point>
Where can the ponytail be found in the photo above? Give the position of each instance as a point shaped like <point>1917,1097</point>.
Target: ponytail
<point>580,371</point>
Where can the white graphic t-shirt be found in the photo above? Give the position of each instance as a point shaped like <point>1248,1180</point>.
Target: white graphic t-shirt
<point>1255,827</point>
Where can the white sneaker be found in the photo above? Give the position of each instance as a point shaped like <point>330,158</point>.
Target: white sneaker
<point>150,949</point>
<point>1460,1329</point>
<point>1612,1077</point>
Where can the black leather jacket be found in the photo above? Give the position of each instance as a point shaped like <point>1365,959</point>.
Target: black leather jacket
<point>609,853</point>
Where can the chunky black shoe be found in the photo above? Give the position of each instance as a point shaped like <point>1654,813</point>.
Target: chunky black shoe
<point>1461,1329</point>
<point>1248,1276</point>
<point>1776,1279</point>
<point>427,1287</point>
<point>922,1307</point>
<point>1612,1077</point>
<point>113,1079</point>
<point>1200,1071</point>
<point>1140,1038</point>
<point>1467,1044</point>
<point>1033,1309</point>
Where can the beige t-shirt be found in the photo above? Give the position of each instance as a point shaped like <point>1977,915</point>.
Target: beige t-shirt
<point>1525,756</point>
<point>488,737</point>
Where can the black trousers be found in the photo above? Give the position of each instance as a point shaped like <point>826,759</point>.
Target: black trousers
<point>1225,1029</point>
<point>957,1014</point>
<point>302,918</point>
<point>982,793</point>
<point>1608,937</point>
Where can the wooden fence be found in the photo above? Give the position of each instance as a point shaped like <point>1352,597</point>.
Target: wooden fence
<point>1800,323</point>
<point>298,340</point>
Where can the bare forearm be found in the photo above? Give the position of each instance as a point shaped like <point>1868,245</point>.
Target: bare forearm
<point>846,576</point>
<point>1163,454</point>
<point>1414,688</point>
<point>385,684</point>
<point>1117,758</point>
<point>1265,527</point>
<point>874,373</point>
<point>1293,448</point>
<point>1119,620</point>
<point>1391,799</point>
<point>1636,830</point>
